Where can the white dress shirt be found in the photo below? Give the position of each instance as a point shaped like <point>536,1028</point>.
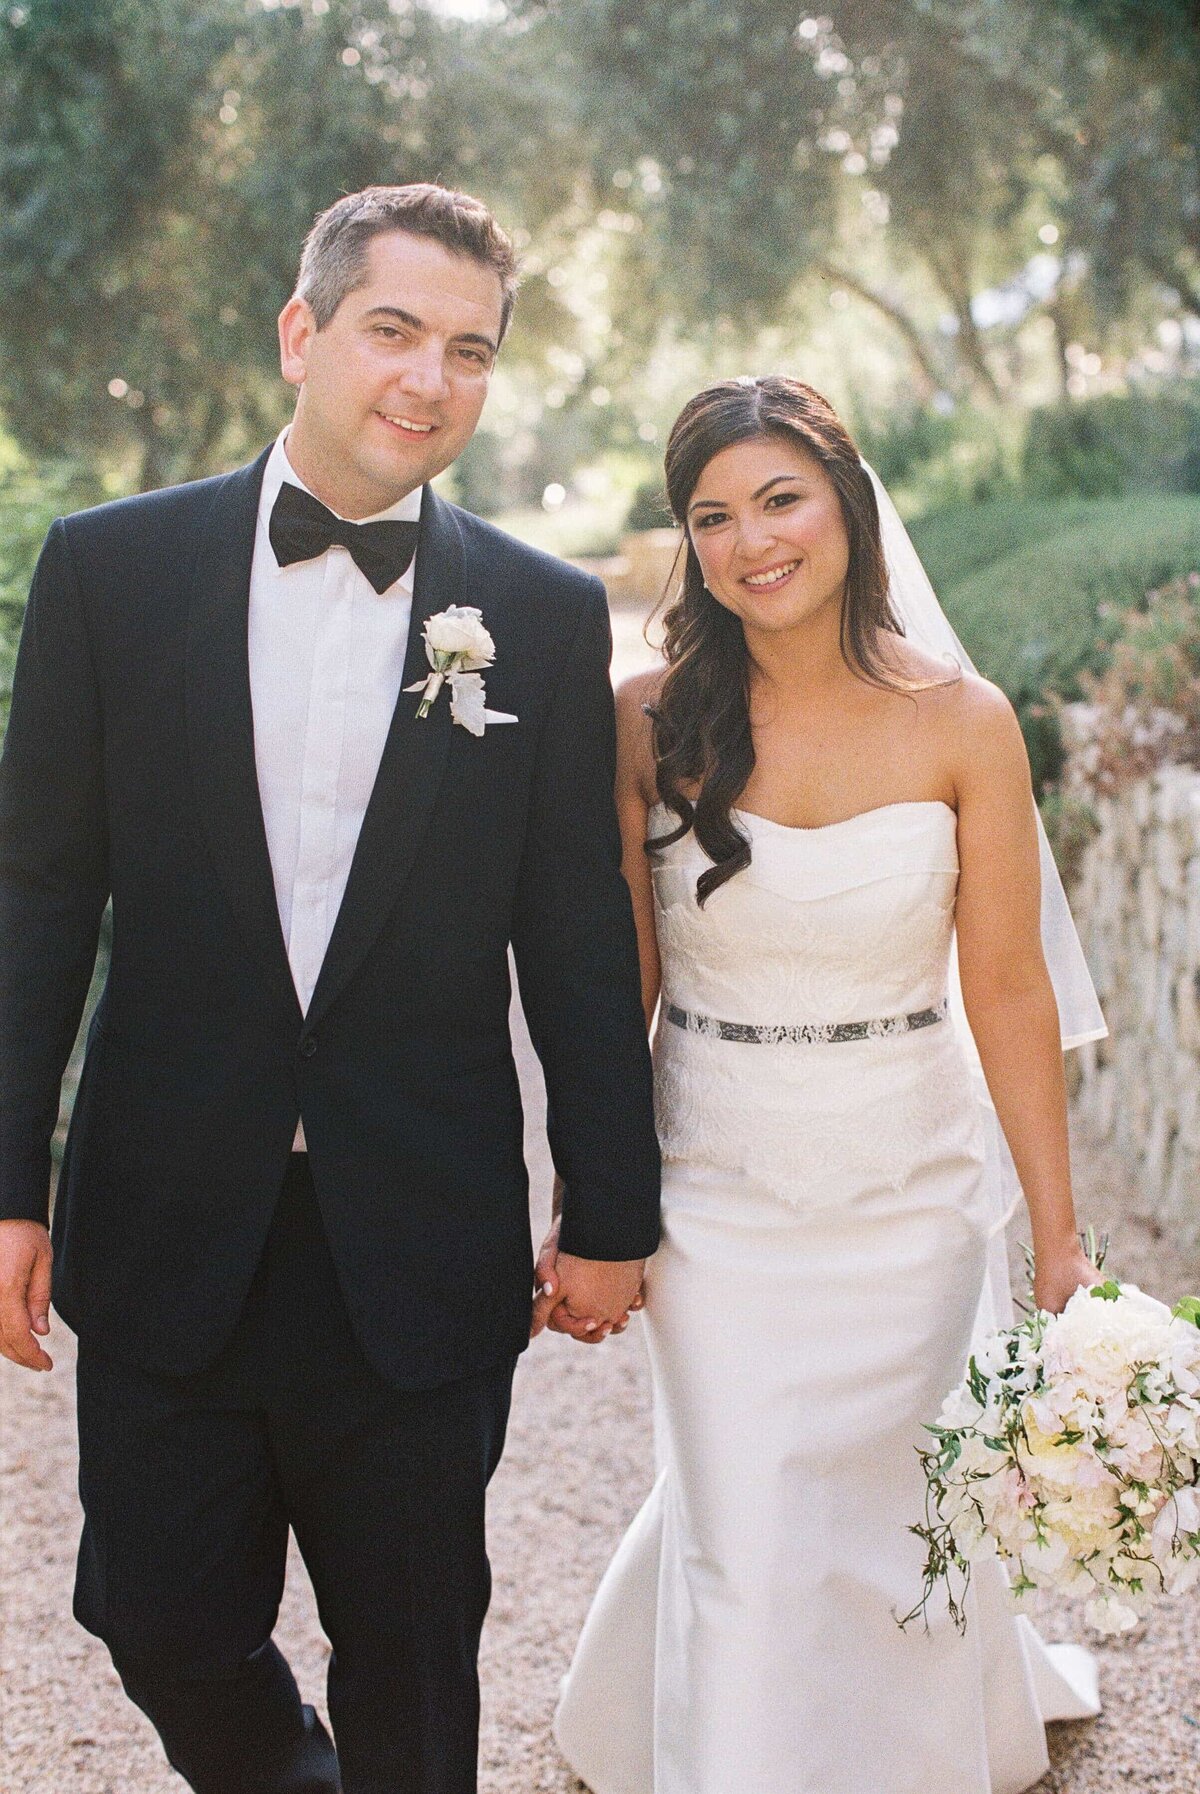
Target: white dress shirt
<point>326,662</point>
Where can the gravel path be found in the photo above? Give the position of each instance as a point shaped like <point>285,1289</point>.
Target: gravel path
<point>577,1466</point>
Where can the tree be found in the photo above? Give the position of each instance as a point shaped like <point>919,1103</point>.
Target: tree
<point>681,170</point>
<point>1136,187</point>
<point>746,142</point>
<point>160,163</point>
<point>763,152</point>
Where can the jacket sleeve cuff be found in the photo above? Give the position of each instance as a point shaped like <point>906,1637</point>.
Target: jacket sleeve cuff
<point>25,1187</point>
<point>600,1236</point>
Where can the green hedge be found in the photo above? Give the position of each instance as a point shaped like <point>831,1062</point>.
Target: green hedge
<point>1144,440</point>
<point>1031,596</point>
<point>955,540</point>
<point>1117,442</point>
<point>1033,588</point>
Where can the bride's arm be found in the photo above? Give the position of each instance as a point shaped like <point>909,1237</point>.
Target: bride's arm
<point>1006,987</point>
<point>635,791</point>
<point>634,795</point>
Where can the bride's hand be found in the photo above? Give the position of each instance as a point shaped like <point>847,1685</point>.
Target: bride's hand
<point>1058,1275</point>
<point>545,1280</point>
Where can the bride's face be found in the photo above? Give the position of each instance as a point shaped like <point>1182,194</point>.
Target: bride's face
<point>768,530</point>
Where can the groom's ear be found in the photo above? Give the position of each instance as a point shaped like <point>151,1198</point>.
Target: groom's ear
<point>297,327</point>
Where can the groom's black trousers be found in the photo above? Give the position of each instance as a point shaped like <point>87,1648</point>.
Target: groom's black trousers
<point>189,1487</point>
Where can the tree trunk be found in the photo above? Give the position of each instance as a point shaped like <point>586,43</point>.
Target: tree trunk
<point>929,379</point>
<point>951,275</point>
<point>1177,281</point>
<point>1055,313</point>
<point>156,455</point>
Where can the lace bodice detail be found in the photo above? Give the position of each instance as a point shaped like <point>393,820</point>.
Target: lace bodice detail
<point>848,923</point>
<point>836,924</point>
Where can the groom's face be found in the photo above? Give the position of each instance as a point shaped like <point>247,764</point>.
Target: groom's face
<point>390,390</point>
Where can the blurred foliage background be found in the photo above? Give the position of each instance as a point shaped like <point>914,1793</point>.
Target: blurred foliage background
<point>976,225</point>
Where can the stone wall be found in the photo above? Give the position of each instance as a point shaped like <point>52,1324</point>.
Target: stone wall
<point>1137,903</point>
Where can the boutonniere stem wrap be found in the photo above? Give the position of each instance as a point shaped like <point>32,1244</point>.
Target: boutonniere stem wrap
<point>457,647</point>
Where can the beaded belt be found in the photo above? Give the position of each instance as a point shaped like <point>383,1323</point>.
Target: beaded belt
<point>805,1033</point>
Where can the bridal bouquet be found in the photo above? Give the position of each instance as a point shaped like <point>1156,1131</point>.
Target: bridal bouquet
<point>1072,1451</point>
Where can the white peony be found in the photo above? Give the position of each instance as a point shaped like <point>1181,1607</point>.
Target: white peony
<point>1178,1522</point>
<point>1044,1560</point>
<point>976,1545</point>
<point>993,1355</point>
<point>1135,1449</point>
<point>456,646</point>
<point>959,1408</point>
<point>1183,1359</point>
<point>1181,1574</point>
<point>1186,1508</point>
<point>1104,1341</point>
<point>459,631</point>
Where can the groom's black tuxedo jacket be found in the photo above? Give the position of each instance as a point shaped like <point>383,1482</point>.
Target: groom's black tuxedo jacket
<point>129,768</point>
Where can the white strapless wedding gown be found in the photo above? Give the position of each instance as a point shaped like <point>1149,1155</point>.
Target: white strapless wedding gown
<point>826,1227</point>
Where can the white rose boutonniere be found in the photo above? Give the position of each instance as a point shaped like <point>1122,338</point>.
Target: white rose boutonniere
<point>457,646</point>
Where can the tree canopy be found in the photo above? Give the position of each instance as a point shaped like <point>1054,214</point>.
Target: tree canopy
<point>969,173</point>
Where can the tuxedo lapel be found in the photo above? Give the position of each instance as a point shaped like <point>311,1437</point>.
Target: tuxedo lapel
<point>410,769</point>
<point>220,723</point>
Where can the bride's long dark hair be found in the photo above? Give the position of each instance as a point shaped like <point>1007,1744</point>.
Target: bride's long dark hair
<point>701,721</point>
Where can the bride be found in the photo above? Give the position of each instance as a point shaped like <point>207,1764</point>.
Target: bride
<point>822,818</point>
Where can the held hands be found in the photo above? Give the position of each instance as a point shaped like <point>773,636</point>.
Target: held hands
<point>25,1256</point>
<point>587,1298</point>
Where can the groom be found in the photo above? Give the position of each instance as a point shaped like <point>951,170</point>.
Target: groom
<point>292,1229</point>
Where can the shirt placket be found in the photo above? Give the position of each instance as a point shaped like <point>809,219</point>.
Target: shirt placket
<point>323,747</point>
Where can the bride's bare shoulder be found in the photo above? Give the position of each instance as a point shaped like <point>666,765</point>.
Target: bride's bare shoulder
<point>943,685</point>
<point>634,697</point>
<point>971,716</point>
<point>640,689</point>
<point>904,661</point>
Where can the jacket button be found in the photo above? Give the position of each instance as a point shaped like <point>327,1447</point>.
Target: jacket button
<point>308,1046</point>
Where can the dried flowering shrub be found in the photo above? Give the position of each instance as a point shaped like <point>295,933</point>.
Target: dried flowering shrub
<point>1071,825</point>
<point>1147,702</point>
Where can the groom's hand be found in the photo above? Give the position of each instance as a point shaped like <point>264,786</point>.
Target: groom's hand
<point>25,1255</point>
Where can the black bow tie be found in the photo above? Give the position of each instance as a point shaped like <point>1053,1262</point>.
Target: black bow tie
<point>302,527</point>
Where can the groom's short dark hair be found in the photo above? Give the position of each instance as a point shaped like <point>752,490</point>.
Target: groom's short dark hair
<point>334,259</point>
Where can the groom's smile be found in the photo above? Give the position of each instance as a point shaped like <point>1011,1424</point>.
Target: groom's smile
<point>404,423</point>
<point>390,389</point>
